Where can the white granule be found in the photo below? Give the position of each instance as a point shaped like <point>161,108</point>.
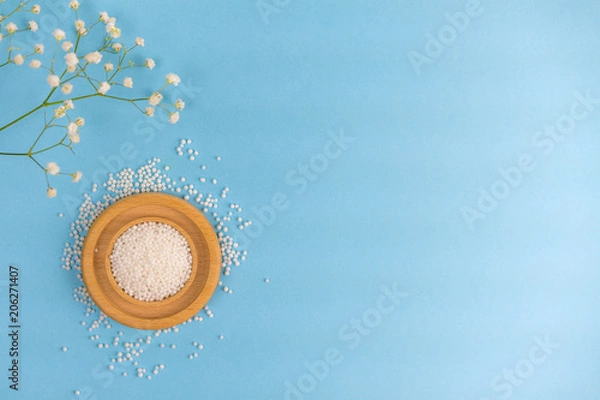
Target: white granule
<point>151,261</point>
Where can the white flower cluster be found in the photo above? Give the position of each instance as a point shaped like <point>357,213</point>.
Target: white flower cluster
<point>99,71</point>
<point>9,29</point>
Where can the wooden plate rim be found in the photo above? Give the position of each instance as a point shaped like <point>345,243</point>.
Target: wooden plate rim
<point>144,319</point>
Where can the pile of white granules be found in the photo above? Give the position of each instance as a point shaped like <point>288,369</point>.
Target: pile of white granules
<point>151,261</point>
<point>135,353</point>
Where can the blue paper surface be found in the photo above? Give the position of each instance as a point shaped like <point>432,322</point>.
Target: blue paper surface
<point>448,184</point>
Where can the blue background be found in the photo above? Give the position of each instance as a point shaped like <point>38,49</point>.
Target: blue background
<point>387,210</point>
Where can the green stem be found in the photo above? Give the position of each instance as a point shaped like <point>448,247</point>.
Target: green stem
<point>22,117</point>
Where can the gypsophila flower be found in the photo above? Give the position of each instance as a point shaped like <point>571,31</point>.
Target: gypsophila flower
<point>110,24</point>
<point>173,117</point>
<point>71,59</point>
<point>93,57</point>
<point>11,28</point>
<point>80,69</point>
<point>173,79</point>
<point>72,128</point>
<point>60,112</point>
<point>155,98</point>
<point>74,137</point>
<point>52,168</point>
<point>103,88</point>
<point>53,80</point>
<point>67,88</point>
<point>33,26</point>
<point>58,34</point>
<point>66,45</point>
<point>112,29</point>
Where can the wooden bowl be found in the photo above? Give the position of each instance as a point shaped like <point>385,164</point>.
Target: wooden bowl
<point>155,207</point>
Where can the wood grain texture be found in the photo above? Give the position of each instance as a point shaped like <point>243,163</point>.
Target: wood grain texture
<point>155,207</point>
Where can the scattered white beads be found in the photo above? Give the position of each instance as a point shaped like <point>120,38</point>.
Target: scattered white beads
<point>151,177</point>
